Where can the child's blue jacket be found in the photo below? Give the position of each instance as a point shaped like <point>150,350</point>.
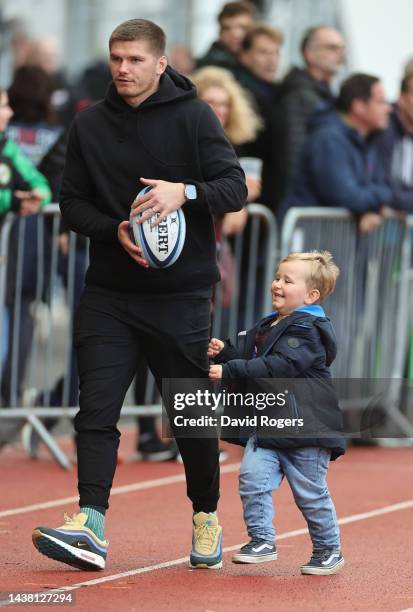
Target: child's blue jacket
<point>301,346</point>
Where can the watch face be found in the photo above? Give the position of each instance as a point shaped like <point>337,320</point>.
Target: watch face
<point>190,192</point>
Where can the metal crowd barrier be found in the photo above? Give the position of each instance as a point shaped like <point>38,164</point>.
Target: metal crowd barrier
<point>254,254</point>
<point>38,295</point>
<point>371,306</point>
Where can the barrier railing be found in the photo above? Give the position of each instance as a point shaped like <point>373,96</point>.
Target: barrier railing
<point>371,308</point>
<point>39,291</point>
<point>371,305</point>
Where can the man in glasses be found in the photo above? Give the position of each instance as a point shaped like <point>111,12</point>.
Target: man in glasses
<point>303,90</point>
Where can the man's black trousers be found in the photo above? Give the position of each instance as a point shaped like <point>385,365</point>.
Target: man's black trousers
<point>111,329</point>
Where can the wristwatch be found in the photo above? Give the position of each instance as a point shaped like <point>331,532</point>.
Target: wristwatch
<point>190,192</point>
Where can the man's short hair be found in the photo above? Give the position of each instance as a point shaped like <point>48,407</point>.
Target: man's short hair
<point>140,29</point>
<point>356,87</point>
<point>261,29</point>
<point>233,9</point>
<point>405,84</point>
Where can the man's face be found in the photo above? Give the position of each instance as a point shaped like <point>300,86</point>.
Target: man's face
<point>375,112</point>
<point>135,69</point>
<point>262,58</point>
<point>326,51</point>
<point>233,30</point>
<point>406,102</point>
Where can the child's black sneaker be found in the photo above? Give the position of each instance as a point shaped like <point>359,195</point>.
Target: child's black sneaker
<point>324,562</point>
<point>256,551</point>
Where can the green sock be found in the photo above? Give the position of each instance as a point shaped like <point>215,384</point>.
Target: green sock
<point>95,521</point>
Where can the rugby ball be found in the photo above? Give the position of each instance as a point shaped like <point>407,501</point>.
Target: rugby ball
<point>162,244</point>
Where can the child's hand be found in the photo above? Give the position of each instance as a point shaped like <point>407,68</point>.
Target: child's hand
<point>215,372</point>
<point>215,346</point>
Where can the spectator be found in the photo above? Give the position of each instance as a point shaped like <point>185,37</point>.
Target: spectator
<point>34,126</point>
<point>181,59</point>
<point>23,190</point>
<point>302,91</point>
<point>396,147</point>
<point>44,53</point>
<point>92,85</point>
<point>257,71</point>
<point>259,62</point>
<point>235,112</point>
<point>234,20</point>
<point>340,165</point>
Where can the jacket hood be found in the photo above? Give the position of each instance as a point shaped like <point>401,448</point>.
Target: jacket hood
<point>173,87</point>
<point>325,329</point>
<point>299,78</point>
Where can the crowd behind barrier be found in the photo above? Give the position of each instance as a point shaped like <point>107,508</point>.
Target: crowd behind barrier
<point>370,310</point>
<point>312,148</point>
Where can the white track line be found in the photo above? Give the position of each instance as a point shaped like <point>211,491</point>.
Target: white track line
<point>289,534</point>
<point>131,488</point>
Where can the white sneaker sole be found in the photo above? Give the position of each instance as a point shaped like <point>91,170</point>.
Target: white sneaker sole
<point>55,549</point>
<point>205,566</point>
<point>319,571</point>
<point>251,559</point>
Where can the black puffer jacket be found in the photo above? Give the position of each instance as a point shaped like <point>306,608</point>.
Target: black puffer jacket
<point>298,351</point>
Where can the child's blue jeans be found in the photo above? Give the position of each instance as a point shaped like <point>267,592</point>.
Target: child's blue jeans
<point>305,469</point>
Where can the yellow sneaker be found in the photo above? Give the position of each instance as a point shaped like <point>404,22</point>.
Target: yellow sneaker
<point>206,541</point>
<point>72,543</point>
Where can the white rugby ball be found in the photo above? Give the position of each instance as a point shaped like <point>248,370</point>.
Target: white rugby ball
<point>162,244</point>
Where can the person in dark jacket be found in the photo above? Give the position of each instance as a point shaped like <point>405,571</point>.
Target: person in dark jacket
<point>302,91</point>
<point>395,146</point>
<point>150,130</point>
<point>235,19</point>
<point>340,165</point>
<point>297,341</point>
<point>256,73</point>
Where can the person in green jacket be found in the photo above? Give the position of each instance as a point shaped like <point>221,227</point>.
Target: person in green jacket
<point>22,188</point>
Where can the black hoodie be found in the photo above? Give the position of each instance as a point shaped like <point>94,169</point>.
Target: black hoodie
<point>171,136</point>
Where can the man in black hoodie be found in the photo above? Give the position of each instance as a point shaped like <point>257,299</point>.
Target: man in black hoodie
<point>302,91</point>
<point>150,130</point>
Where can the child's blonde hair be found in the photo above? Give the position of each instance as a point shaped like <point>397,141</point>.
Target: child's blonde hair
<point>324,272</point>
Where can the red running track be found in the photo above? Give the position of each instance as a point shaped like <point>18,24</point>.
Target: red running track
<point>151,526</point>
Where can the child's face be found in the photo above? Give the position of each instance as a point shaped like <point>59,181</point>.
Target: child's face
<point>289,289</point>
<point>6,112</point>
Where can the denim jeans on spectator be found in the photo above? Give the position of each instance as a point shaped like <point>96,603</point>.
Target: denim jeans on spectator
<point>262,471</point>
